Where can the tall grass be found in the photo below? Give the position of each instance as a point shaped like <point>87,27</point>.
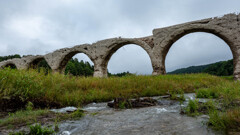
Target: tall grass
<point>56,90</point>
<point>68,90</point>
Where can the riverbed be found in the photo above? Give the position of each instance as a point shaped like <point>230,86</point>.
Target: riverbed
<point>163,119</point>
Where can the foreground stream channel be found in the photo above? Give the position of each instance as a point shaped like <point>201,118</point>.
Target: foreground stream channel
<point>163,119</point>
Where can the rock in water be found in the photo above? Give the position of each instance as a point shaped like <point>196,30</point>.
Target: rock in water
<point>123,103</point>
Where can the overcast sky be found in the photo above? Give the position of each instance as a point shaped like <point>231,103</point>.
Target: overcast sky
<point>42,26</point>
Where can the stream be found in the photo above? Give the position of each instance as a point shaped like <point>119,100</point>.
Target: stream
<point>163,119</point>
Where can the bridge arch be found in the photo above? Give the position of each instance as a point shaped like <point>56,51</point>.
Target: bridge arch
<point>130,58</point>
<point>114,47</point>
<point>35,62</point>
<point>10,64</point>
<point>66,58</point>
<point>219,32</point>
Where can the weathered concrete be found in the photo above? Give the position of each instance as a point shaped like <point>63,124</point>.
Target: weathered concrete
<point>157,46</point>
<point>25,62</point>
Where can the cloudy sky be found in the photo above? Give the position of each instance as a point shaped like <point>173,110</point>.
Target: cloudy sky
<point>42,26</point>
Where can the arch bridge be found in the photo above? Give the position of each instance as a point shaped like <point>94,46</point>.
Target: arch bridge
<point>157,46</point>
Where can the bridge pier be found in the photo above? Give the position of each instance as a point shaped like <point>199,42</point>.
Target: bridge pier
<point>99,73</point>
<point>236,65</point>
<point>100,67</point>
<point>158,67</point>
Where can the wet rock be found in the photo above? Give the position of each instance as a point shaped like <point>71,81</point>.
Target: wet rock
<point>132,103</point>
<point>65,133</point>
<point>166,96</point>
<point>166,102</point>
<point>64,110</point>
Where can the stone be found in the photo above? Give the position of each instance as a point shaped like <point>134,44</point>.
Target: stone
<point>132,103</point>
<point>64,110</point>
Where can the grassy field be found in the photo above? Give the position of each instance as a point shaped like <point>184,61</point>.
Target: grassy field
<point>57,90</point>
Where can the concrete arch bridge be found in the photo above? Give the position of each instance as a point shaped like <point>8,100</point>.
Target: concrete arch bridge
<point>226,27</point>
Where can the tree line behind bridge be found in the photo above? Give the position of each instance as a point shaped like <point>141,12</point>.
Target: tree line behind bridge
<point>74,67</point>
<point>81,68</point>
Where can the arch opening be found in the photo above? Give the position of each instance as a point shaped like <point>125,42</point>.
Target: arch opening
<point>40,63</point>
<point>78,64</point>
<point>194,51</point>
<point>129,59</point>
<point>10,65</point>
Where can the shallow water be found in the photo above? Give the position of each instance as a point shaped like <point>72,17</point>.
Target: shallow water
<point>163,119</point>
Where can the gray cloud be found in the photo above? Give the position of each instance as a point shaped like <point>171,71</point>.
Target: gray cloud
<point>38,27</point>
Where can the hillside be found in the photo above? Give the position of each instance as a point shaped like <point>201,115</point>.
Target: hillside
<point>191,69</point>
<point>222,68</point>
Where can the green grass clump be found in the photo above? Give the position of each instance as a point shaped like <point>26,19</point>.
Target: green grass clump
<point>36,129</point>
<point>22,117</point>
<point>77,114</point>
<point>177,95</point>
<point>29,106</point>
<point>227,121</point>
<point>192,108</point>
<point>206,93</point>
<point>27,117</point>
<point>122,104</point>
